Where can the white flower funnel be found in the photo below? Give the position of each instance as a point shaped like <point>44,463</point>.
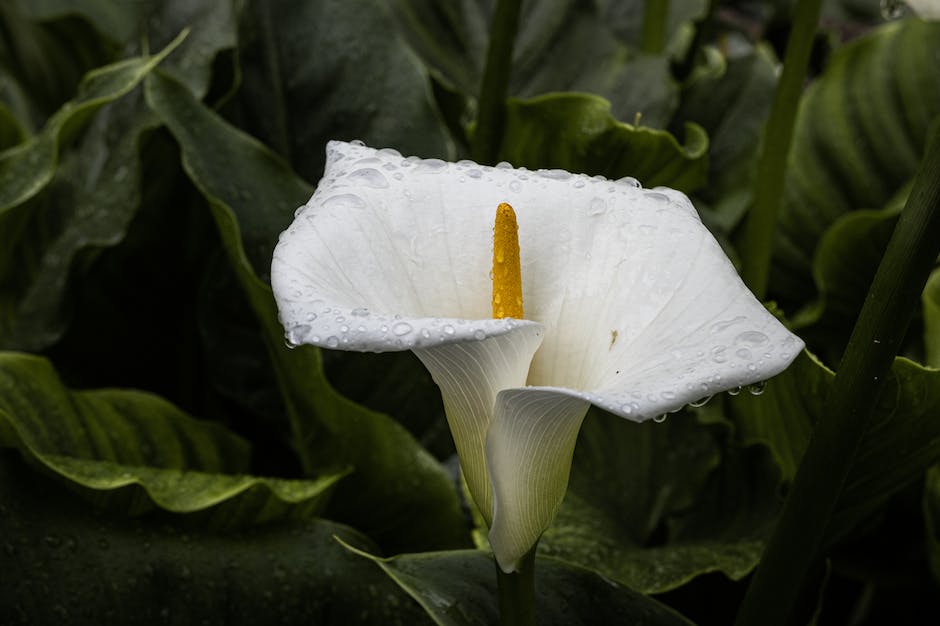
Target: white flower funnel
<point>630,305</point>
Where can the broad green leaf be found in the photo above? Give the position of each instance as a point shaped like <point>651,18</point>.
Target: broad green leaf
<point>859,137</point>
<point>27,168</point>
<point>66,563</point>
<point>931,301</point>
<point>576,132</point>
<point>87,206</point>
<point>46,60</point>
<point>133,451</point>
<point>459,589</point>
<point>846,260</point>
<point>649,506</point>
<point>903,441</point>
<point>12,131</point>
<point>333,69</point>
<point>561,46</point>
<point>212,26</point>
<point>398,493</point>
<point>730,99</point>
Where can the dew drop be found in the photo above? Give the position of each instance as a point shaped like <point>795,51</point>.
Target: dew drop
<point>627,409</point>
<point>432,164</point>
<point>658,197</point>
<point>700,402</point>
<point>360,312</point>
<point>659,419</point>
<point>368,177</point>
<point>392,152</point>
<point>717,327</point>
<point>474,173</point>
<point>744,353</point>
<point>479,335</point>
<point>357,142</point>
<point>401,328</point>
<point>554,174</point>
<point>578,184</point>
<point>629,180</point>
<point>669,395</point>
<point>735,391</point>
<point>448,329</point>
<point>332,341</point>
<point>752,337</point>
<point>503,165</point>
<point>344,201</point>
<point>297,335</point>
<point>757,388</point>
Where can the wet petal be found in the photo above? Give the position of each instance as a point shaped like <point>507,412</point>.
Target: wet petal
<point>528,451</point>
<point>470,374</point>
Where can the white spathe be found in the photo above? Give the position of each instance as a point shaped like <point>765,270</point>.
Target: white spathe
<point>631,305</point>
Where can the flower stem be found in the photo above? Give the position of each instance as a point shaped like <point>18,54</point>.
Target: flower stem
<point>488,134</point>
<point>517,593</point>
<point>882,323</point>
<point>653,35</point>
<point>757,245</point>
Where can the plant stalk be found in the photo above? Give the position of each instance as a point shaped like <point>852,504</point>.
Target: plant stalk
<point>757,244</point>
<point>799,537</point>
<point>491,116</point>
<point>517,593</point>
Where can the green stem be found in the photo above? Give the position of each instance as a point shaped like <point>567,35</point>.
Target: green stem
<point>761,222</point>
<point>517,593</point>
<point>653,35</point>
<point>894,295</point>
<point>492,102</point>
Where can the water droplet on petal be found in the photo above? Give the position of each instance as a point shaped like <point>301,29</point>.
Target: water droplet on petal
<point>555,174</point>
<point>332,341</point>
<point>368,177</point>
<point>629,180</point>
<point>357,142</point>
<point>360,312</point>
<point>401,328</point>
<point>735,391</point>
<point>752,337</point>
<point>479,335</point>
<point>757,388</point>
<point>669,395</point>
<point>448,329</point>
<point>390,152</point>
<point>658,197</point>
<point>432,164</point>
<point>344,201</point>
<point>659,419</point>
<point>700,402</point>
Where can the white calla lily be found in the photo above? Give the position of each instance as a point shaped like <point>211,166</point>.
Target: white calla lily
<point>630,305</point>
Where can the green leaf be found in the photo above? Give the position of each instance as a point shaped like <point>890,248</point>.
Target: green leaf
<point>931,302</point>
<point>903,442</point>
<point>730,99</point>
<point>576,132</point>
<point>654,505</point>
<point>27,168</point>
<point>333,69</point>
<point>561,46</point>
<point>846,260</point>
<point>65,563</point>
<point>859,137</point>
<point>88,205</point>
<point>398,493</point>
<point>12,131</point>
<point>459,588</point>
<point>134,451</point>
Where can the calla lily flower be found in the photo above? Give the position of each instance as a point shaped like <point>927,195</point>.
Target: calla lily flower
<point>629,305</point>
